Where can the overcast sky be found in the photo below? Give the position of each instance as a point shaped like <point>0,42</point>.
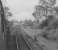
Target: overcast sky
<point>21,9</point>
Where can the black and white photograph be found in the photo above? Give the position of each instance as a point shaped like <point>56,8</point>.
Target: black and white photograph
<point>28,24</point>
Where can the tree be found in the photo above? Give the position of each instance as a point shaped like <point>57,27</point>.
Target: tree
<point>44,10</point>
<point>48,3</point>
<point>7,13</point>
<point>28,22</point>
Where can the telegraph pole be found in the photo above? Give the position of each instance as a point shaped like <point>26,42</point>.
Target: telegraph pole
<point>4,22</point>
<point>2,16</point>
